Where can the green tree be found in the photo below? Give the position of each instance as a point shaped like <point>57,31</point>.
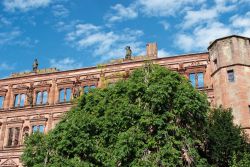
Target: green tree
<point>224,138</point>
<point>153,118</point>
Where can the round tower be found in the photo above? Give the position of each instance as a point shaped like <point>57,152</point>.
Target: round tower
<point>230,74</point>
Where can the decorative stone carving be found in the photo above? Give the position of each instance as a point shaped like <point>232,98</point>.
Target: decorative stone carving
<point>30,93</point>
<point>9,163</point>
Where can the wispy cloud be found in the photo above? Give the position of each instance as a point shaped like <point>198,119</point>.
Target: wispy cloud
<point>60,11</point>
<point>65,64</point>
<point>7,37</point>
<point>119,13</point>
<point>4,66</point>
<point>104,43</point>
<point>202,34</point>
<point>24,5</point>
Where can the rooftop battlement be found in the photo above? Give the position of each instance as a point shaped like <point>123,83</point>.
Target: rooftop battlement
<point>38,71</point>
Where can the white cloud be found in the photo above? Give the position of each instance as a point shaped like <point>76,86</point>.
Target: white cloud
<point>5,66</point>
<point>102,43</point>
<point>120,13</point>
<point>165,7</point>
<point>24,5</point>
<point>163,53</point>
<point>241,24</point>
<point>8,37</point>
<point>201,36</point>
<point>165,25</point>
<point>200,16</point>
<point>60,11</point>
<point>65,64</point>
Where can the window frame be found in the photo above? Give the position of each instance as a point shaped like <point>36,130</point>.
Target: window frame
<point>42,96</point>
<point>196,81</point>
<point>66,98</point>
<point>18,102</point>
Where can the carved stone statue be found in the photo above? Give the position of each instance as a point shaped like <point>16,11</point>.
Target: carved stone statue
<point>77,91</point>
<point>35,65</point>
<point>30,96</point>
<point>128,53</point>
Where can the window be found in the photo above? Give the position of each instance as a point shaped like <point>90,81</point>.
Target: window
<point>38,128</point>
<point>65,95</point>
<point>197,79</point>
<point>192,79</point>
<point>86,89</point>
<point>92,86</point>
<point>19,100</point>
<point>230,75</point>
<point>41,97</point>
<point>215,64</point>
<point>13,137</point>
<point>1,101</point>
<point>200,80</point>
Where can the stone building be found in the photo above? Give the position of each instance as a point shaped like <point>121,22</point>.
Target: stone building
<point>35,101</point>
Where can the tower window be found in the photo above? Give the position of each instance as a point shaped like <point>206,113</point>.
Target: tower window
<point>230,75</point>
<point>215,63</point>
<point>1,101</point>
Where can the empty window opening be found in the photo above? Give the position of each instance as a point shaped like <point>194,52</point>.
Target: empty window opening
<point>1,101</point>
<point>19,100</point>
<point>230,75</point>
<point>13,137</point>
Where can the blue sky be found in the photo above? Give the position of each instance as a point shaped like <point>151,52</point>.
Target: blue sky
<point>70,34</point>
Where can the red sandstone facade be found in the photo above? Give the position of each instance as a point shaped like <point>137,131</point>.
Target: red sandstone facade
<point>36,101</point>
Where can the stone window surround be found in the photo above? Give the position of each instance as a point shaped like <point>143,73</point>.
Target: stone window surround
<point>196,70</point>
<point>22,89</point>
<point>42,87</point>
<point>14,124</point>
<point>39,120</point>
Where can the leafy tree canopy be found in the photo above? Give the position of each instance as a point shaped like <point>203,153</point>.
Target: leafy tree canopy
<point>153,118</point>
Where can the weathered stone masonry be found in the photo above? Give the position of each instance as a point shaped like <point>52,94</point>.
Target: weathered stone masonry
<point>36,101</point>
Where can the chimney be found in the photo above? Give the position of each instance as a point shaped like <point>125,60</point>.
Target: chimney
<point>152,50</point>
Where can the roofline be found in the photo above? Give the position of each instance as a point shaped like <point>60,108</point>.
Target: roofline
<point>229,36</point>
<point>107,65</point>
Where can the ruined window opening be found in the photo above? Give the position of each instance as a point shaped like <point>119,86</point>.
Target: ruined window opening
<point>200,80</point>
<point>192,79</point>
<point>86,89</point>
<point>13,137</point>
<point>65,95</point>
<point>230,75</point>
<point>38,128</point>
<point>1,101</point>
<point>19,100</point>
<point>41,97</point>
<point>197,79</point>
<point>215,64</point>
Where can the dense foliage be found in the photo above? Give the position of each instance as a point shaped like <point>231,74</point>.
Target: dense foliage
<point>154,118</point>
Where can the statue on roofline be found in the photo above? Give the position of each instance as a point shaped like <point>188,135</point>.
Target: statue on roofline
<point>35,65</point>
<point>128,53</point>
